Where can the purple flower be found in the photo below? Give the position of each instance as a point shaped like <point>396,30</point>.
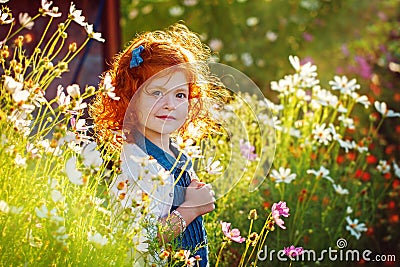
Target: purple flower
<point>364,69</point>
<point>293,252</point>
<point>308,37</point>
<point>247,150</point>
<point>345,50</point>
<point>279,209</point>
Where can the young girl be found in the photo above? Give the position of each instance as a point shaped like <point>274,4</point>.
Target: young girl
<point>162,83</point>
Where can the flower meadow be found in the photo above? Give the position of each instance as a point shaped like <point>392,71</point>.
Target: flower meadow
<point>294,172</point>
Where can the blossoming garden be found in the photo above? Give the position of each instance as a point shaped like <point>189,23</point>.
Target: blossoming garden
<point>309,162</point>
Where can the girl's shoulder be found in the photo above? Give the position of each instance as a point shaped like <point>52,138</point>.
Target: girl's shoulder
<point>132,149</point>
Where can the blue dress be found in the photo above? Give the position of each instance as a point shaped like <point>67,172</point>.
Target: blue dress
<point>194,238</point>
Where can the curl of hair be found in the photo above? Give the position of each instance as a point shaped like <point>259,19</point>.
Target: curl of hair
<point>162,49</point>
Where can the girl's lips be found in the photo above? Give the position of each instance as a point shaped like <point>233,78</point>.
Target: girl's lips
<point>166,117</point>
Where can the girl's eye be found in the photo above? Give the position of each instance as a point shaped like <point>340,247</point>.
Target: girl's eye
<point>181,95</point>
<point>157,93</point>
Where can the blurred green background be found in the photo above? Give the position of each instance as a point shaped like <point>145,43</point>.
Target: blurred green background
<point>257,36</point>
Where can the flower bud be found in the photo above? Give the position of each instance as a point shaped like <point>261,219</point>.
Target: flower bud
<point>374,117</point>
<point>13,63</point>
<point>18,68</point>
<point>61,26</point>
<point>253,238</point>
<point>164,255</point>
<point>270,225</point>
<point>90,90</point>
<point>57,136</point>
<point>19,41</point>
<point>121,185</point>
<point>72,47</point>
<point>63,66</point>
<point>253,215</point>
<point>5,53</point>
<point>53,143</point>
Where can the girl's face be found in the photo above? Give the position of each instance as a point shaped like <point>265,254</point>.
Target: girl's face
<point>162,104</point>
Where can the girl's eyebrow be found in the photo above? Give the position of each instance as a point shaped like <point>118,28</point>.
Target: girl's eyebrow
<point>162,88</point>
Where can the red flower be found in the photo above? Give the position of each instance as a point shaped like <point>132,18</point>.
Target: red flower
<point>371,146</point>
<point>358,173</point>
<point>390,149</point>
<point>370,231</point>
<point>340,159</point>
<point>397,129</point>
<point>371,159</point>
<point>395,184</point>
<point>351,156</point>
<point>376,89</point>
<point>397,97</point>
<point>366,176</point>
<point>394,218</point>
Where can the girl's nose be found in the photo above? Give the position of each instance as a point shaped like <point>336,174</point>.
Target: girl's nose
<point>169,102</point>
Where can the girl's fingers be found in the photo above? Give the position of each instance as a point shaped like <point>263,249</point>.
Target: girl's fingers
<point>209,186</point>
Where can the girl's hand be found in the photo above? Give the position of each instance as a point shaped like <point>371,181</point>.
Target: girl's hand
<point>199,198</point>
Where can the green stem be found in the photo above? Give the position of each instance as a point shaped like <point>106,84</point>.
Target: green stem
<point>77,51</point>
<point>263,236</point>
<point>176,161</point>
<point>44,32</point>
<point>20,29</point>
<point>182,170</point>
<point>247,244</point>
<point>220,253</point>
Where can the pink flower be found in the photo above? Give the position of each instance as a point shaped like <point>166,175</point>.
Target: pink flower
<point>233,234</point>
<point>246,149</point>
<point>293,252</point>
<point>279,209</point>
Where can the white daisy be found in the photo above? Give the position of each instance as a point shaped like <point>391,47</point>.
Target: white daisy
<point>355,228</point>
<point>396,169</point>
<point>340,190</point>
<point>213,167</point>
<point>73,174</point>
<point>53,12</point>
<point>283,175</point>
<point>97,239</point>
<point>321,173</point>
<point>383,166</point>
<point>322,134</point>
<point>91,156</point>
<point>92,34</point>
<point>25,20</point>
<point>381,107</point>
<point>76,15</point>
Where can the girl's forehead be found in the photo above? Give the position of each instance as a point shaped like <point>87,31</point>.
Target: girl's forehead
<point>169,80</point>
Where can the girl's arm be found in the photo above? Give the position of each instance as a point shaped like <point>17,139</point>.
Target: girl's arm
<point>199,200</point>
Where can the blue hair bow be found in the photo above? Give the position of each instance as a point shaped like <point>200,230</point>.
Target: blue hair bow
<point>136,58</point>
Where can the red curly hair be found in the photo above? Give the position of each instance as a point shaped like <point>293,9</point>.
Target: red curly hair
<point>162,49</point>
